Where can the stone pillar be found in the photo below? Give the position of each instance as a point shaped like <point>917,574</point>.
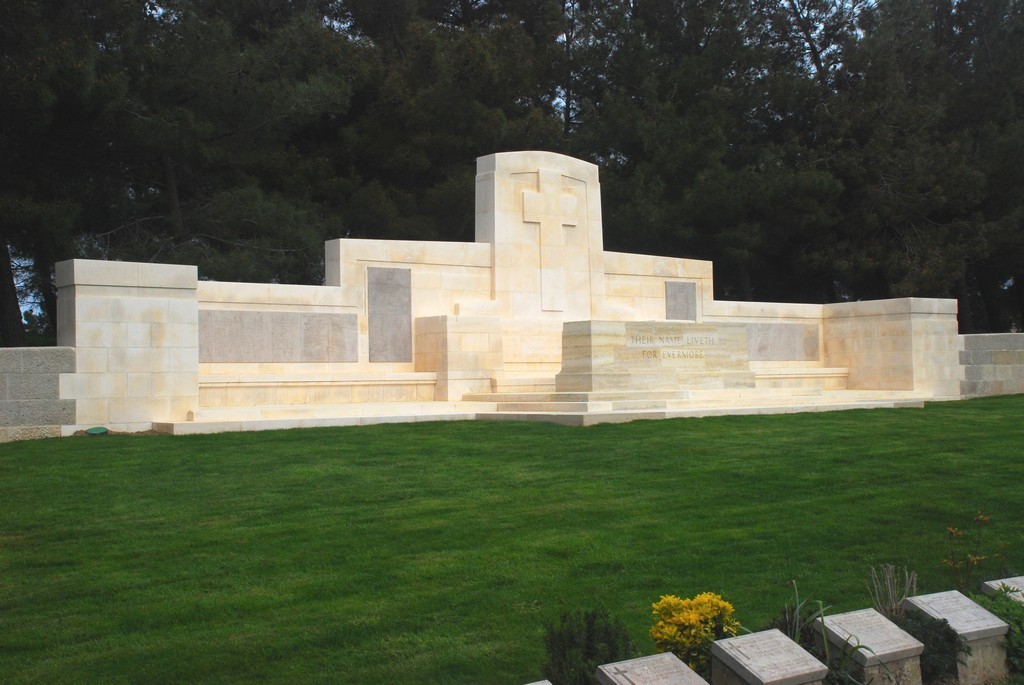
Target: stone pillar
<point>464,351</point>
<point>135,329</point>
<point>905,344</point>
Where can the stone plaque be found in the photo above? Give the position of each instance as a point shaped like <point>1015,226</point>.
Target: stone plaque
<point>884,640</point>
<point>540,682</point>
<point>242,336</point>
<point>967,618</point>
<point>660,669</point>
<point>783,342</point>
<point>389,314</point>
<point>680,301</point>
<point>768,658</point>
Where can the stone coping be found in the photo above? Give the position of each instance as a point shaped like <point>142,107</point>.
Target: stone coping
<point>882,640</point>
<point>659,669</point>
<point>967,618</point>
<point>768,658</point>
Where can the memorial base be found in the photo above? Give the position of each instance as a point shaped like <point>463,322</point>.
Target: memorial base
<point>986,663</point>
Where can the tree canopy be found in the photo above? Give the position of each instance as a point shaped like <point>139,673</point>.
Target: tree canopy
<point>815,150</point>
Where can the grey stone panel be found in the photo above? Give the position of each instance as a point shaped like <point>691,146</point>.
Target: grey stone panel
<point>12,359</point>
<point>33,386</point>
<point>37,412</point>
<point>285,343</point>
<point>37,360</point>
<point>779,342</point>
<point>994,341</point>
<point>228,336</point>
<point>314,330</point>
<point>343,338</point>
<point>389,314</point>
<point>1008,357</point>
<point>680,301</point>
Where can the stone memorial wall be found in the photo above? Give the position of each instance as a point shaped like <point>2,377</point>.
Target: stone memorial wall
<point>509,326</point>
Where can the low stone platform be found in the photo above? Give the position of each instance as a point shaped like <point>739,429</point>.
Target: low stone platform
<point>570,409</point>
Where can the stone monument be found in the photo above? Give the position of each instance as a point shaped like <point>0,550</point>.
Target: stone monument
<point>533,320</point>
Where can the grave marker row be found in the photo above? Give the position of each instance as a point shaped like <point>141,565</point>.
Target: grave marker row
<point>882,653</point>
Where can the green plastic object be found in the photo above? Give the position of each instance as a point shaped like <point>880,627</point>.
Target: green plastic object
<point>93,432</point>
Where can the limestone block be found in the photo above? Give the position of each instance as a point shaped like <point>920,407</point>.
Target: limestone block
<point>92,411</point>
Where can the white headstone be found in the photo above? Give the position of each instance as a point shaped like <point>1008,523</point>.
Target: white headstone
<point>660,669</point>
<point>967,618</point>
<point>882,640</point>
<point>1014,585</point>
<point>768,658</point>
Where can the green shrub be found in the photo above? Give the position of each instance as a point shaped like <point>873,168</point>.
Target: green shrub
<point>582,641</point>
<point>796,621</point>
<point>1012,611</point>
<point>943,647</point>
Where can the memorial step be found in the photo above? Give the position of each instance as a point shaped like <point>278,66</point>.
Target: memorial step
<point>290,411</point>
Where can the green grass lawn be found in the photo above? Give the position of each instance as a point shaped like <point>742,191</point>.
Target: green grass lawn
<point>434,553</point>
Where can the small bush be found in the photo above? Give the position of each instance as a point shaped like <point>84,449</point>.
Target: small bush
<point>688,627</point>
<point>796,621</point>
<point>582,641</point>
<point>1012,611</point>
<point>943,647</point>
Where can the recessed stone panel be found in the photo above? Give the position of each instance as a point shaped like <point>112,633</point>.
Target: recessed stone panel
<point>680,301</point>
<point>242,336</point>
<point>783,342</point>
<point>389,314</point>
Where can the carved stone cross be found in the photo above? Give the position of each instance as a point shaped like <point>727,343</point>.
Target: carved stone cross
<point>555,208</point>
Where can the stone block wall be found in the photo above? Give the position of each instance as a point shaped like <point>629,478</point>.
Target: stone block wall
<point>993,364</point>
<point>135,330</point>
<point>902,344</point>
<point>30,397</point>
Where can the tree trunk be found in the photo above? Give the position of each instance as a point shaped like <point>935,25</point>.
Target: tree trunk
<point>965,313</point>
<point>1018,289</point>
<point>177,223</point>
<point>12,330</point>
<point>994,300</point>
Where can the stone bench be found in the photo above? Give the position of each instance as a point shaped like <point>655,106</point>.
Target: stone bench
<point>799,375</point>
<point>326,387</point>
